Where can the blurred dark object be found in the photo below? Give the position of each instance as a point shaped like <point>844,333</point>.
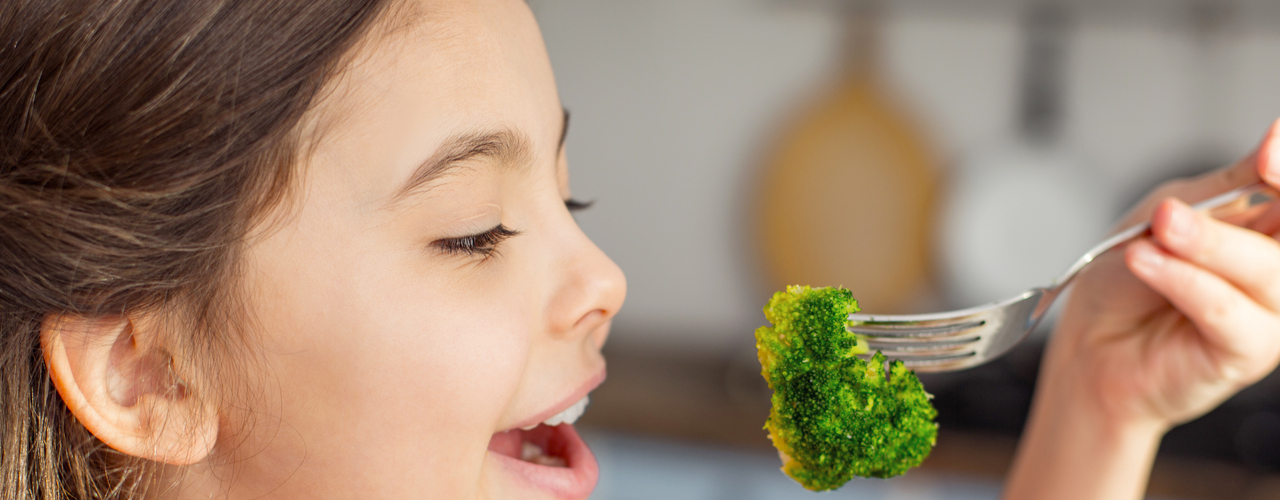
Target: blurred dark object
<point>996,397</point>
<point>1017,213</point>
<point>1210,23</point>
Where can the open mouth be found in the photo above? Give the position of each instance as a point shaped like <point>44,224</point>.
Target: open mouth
<point>542,445</point>
<point>550,455</point>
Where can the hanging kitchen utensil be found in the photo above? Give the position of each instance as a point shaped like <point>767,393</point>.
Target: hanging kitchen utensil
<point>1017,214</point>
<point>1208,149</point>
<point>851,165</point>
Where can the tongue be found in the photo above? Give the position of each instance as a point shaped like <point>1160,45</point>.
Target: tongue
<point>531,453</point>
<point>542,445</point>
<point>507,443</point>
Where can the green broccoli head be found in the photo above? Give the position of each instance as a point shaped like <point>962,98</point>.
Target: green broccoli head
<point>834,415</point>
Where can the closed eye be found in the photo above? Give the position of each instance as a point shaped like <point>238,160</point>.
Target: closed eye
<point>484,244</point>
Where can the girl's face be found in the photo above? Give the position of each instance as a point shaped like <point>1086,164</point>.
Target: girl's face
<point>427,291</point>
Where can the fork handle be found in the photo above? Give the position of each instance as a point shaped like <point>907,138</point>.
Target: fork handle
<point>1235,202</point>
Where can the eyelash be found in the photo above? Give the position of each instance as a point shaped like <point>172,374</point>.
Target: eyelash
<point>578,206</point>
<point>484,244</point>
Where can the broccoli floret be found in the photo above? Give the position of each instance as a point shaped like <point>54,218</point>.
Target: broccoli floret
<point>834,415</point>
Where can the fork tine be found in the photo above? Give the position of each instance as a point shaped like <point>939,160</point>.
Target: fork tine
<point>925,354</point>
<point>891,348</point>
<point>949,341</point>
<point>943,364</point>
<point>888,330</point>
<point>936,361</point>
<point>931,360</point>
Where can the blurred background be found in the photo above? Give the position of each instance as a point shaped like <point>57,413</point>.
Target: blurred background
<point>926,154</point>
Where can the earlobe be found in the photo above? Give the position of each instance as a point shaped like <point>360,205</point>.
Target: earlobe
<point>124,389</point>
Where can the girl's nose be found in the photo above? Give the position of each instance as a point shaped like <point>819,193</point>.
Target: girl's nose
<point>592,291</point>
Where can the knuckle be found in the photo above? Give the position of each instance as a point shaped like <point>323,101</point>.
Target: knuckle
<point>1241,171</point>
<point>1181,277</point>
<point>1211,244</point>
<point>1219,311</point>
<point>1270,290</point>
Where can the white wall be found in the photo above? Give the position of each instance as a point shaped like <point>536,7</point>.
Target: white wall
<point>672,101</point>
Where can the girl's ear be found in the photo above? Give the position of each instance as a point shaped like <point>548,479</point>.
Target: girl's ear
<point>124,389</point>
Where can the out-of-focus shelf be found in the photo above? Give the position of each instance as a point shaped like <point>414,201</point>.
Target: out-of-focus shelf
<point>708,401</point>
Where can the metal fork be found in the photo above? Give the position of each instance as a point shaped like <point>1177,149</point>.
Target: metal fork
<point>955,340</point>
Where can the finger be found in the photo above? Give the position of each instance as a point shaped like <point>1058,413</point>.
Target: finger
<point>1268,222</point>
<point>1248,259</point>
<point>1225,316</point>
<point>1269,156</point>
<point>1265,160</point>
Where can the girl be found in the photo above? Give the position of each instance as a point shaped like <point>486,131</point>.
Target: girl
<point>323,249</point>
<point>292,249</point>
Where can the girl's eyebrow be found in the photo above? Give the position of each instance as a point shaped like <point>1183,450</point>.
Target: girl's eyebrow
<point>510,149</point>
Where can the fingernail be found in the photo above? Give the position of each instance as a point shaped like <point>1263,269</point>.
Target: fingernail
<point>1147,260</point>
<point>1183,226</point>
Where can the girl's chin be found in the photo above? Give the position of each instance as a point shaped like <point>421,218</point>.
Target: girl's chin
<point>551,460</point>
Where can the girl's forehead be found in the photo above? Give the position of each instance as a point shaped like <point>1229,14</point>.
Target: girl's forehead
<point>474,54</point>
<point>430,72</point>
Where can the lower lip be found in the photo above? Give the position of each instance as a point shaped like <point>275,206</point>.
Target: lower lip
<point>573,482</point>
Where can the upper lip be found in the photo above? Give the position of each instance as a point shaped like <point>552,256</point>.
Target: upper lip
<point>566,402</point>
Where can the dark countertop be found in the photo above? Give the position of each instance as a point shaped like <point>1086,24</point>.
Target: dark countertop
<point>722,401</point>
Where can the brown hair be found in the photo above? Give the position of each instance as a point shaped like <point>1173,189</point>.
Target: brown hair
<point>140,141</point>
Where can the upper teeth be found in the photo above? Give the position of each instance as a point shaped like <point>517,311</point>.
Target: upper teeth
<point>569,415</point>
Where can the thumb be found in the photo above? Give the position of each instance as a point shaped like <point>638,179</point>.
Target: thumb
<point>1268,156</point>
